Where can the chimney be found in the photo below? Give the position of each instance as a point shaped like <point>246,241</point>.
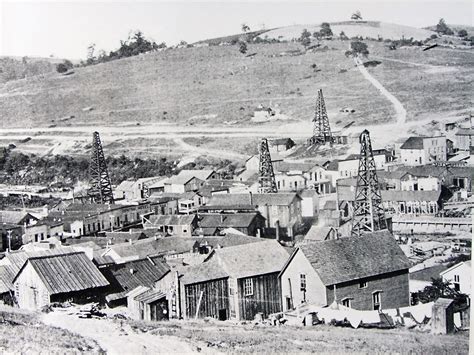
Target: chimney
<point>251,198</point>
<point>130,241</point>
<point>277,226</point>
<point>132,271</point>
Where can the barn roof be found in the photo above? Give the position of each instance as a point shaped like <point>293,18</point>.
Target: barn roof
<point>272,199</point>
<point>413,143</point>
<point>150,296</point>
<point>130,275</point>
<point>210,270</point>
<point>67,272</point>
<point>13,217</point>
<point>355,258</point>
<point>236,220</point>
<point>7,275</point>
<point>264,257</point>
<point>173,219</point>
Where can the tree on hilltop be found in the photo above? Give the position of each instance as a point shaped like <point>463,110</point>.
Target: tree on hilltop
<point>305,38</point>
<point>325,30</point>
<point>356,15</point>
<point>245,28</point>
<point>443,28</point>
<point>462,33</point>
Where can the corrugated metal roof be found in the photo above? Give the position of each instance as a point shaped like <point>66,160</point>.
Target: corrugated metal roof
<point>7,274</point>
<point>67,272</point>
<point>150,296</point>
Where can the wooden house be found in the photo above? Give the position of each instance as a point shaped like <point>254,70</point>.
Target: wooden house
<point>365,273</point>
<point>175,225</point>
<point>127,276</point>
<point>148,304</point>
<point>235,282</point>
<point>247,223</point>
<point>57,278</point>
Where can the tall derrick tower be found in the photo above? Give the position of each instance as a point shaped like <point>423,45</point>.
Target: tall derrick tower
<point>100,190</point>
<point>369,215</point>
<point>321,129</point>
<point>266,176</point>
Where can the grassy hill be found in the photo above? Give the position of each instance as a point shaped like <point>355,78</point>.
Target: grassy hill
<point>204,88</point>
<point>22,332</point>
<point>370,29</point>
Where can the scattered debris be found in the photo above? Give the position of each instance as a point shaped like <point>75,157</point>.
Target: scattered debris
<point>86,109</point>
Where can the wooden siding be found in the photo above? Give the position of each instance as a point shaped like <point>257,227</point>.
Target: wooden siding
<point>215,297</point>
<point>266,296</point>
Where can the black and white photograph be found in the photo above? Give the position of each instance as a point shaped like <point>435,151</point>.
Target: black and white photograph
<point>222,177</point>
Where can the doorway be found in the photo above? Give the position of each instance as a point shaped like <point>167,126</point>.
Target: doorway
<point>222,314</point>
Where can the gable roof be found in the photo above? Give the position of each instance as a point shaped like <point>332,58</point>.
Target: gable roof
<point>413,143</point>
<point>467,263</point>
<point>318,233</point>
<point>14,217</point>
<point>264,257</point>
<point>355,258</point>
<point>236,220</point>
<point>130,275</point>
<point>66,272</point>
<point>403,195</point>
<point>272,199</point>
<point>210,270</point>
<point>185,176</point>
<point>173,219</point>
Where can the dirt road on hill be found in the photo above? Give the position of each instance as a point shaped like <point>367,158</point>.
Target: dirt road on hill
<point>117,339</point>
<point>401,113</point>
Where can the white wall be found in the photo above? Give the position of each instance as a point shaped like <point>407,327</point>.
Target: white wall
<point>315,289</point>
<point>463,271</point>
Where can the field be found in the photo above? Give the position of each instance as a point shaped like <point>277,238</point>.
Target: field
<point>23,332</point>
<point>186,102</point>
<point>251,338</point>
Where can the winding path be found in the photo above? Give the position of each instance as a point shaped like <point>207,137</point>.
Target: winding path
<point>401,113</point>
<point>117,339</point>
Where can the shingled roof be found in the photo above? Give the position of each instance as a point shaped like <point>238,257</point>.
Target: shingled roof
<point>271,199</point>
<point>248,260</point>
<point>128,276</point>
<point>67,272</point>
<point>355,258</point>
<point>413,143</point>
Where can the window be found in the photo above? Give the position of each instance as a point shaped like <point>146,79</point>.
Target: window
<point>303,282</point>
<point>248,287</point>
<point>346,302</point>
<point>376,300</point>
<point>456,284</point>
<point>363,284</point>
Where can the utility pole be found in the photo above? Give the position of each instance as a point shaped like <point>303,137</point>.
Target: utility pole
<point>266,176</point>
<point>100,190</point>
<point>369,215</point>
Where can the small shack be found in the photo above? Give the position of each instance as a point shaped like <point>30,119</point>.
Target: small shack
<point>58,278</point>
<point>443,316</point>
<point>148,304</point>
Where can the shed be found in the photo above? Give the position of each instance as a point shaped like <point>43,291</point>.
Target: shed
<point>442,321</point>
<point>57,278</point>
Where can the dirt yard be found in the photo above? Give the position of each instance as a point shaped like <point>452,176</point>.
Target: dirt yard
<point>209,336</point>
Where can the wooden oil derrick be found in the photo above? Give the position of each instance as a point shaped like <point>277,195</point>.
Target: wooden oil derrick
<point>321,129</point>
<point>369,215</point>
<point>266,177</point>
<point>100,190</point>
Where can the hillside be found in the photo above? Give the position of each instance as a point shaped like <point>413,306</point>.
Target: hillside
<point>23,332</point>
<point>162,102</point>
<point>366,29</point>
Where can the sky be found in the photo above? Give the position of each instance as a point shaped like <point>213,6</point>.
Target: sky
<point>65,29</point>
